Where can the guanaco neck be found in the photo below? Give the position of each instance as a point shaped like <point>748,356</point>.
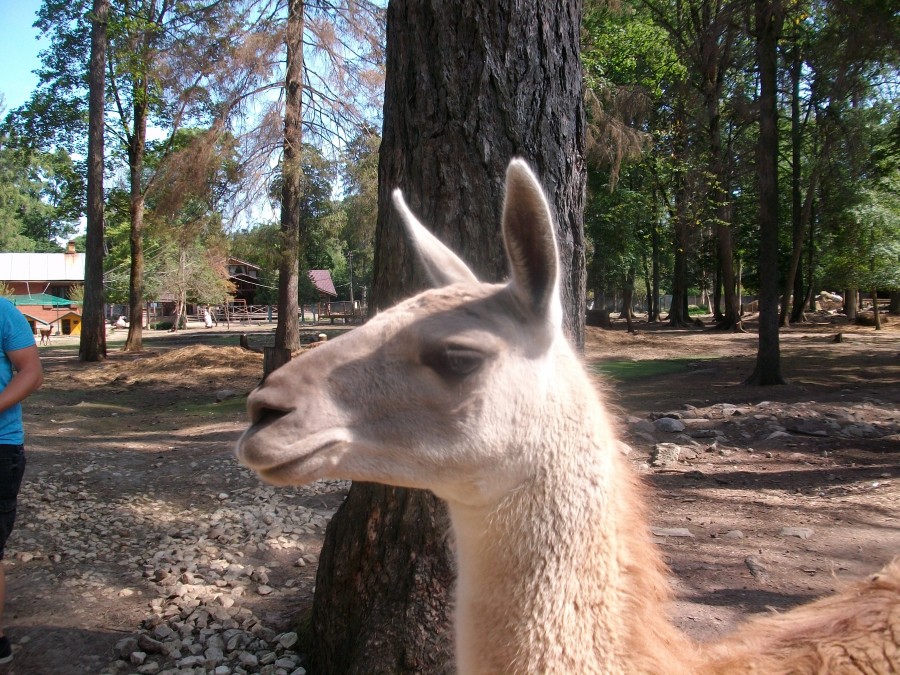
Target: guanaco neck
<point>561,575</point>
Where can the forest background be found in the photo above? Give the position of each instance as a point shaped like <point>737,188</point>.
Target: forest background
<point>730,149</point>
<point>194,114</point>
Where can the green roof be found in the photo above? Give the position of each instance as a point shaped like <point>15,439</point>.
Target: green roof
<point>41,299</point>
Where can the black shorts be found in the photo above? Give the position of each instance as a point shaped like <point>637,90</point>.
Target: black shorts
<point>12,468</point>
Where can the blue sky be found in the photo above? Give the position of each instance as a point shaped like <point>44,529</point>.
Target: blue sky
<point>18,50</point>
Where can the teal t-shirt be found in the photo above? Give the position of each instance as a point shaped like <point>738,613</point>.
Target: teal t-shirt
<point>15,334</point>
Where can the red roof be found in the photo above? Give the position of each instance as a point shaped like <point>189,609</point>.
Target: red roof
<point>322,281</point>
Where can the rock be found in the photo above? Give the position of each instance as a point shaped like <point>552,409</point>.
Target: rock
<point>671,532</point>
<point>668,425</point>
<point>225,394</point>
<point>287,640</point>
<point>800,532</point>
<point>757,569</point>
<point>733,534</point>
<point>148,644</point>
<point>667,454</point>
<point>126,646</point>
<point>641,426</point>
<point>248,660</point>
<point>137,658</point>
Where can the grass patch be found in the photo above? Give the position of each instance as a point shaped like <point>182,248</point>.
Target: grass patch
<point>633,370</point>
<point>228,407</point>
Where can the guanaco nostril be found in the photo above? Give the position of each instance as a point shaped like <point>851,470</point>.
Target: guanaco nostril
<point>262,416</point>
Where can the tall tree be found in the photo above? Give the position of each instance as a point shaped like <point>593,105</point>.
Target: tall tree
<point>287,332</point>
<point>160,60</point>
<point>450,126</point>
<point>768,22</point>
<point>92,343</point>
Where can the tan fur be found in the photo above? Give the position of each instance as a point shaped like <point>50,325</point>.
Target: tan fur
<point>470,390</point>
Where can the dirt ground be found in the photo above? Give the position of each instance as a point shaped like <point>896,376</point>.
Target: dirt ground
<point>786,492</point>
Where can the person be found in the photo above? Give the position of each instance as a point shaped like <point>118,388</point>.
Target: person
<point>21,374</point>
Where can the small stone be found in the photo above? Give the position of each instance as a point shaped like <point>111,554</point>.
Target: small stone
<point>137,658</point>
<point>671,532</point>
<point>664,454</point>
<point>288,640</point>
<point>149,645</point>
<point>262,589</point>
<point>800,532</point>
<point>125,646</point>
<point>248,660</point>
<point>214,656</point>
<point>668,425</point>
<point>733,534</point>
<point>191,661</point>
<point>757,569</point>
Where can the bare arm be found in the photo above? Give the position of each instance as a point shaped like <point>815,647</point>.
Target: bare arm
<point>28,377</point>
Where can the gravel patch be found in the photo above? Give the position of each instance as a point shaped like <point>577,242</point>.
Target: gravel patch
<point>196,566</point>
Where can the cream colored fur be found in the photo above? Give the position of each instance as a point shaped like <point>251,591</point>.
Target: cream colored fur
<point>471,390</point>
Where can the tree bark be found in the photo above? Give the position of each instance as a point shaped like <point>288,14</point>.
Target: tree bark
<point>654,305</point>
<point>92,343</point>
<point>875,313</point>
<point>715,48</point>
<point>769,18</point>
<point>851,303</point>
<point>469,86</point>
<point>797,229</point>
<point>287,331</point>
<point>678,310</point>
<point>136,147</point>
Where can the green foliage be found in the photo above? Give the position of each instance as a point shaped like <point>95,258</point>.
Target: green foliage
<point>40,197</point>
<point>625,48</point>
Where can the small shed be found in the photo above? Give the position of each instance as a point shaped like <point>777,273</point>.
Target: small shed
<point>42,310</point>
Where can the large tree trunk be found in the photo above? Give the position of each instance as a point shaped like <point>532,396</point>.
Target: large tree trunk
<point>134,341</point>
<point>92,344</point>
<point>797,229</point>
<point>875,313</point>
<point>769,17</point>
<point>678,310</point>
<point>715,48</point>
<point>851,303</point>
<point>654,305</point>
<point>451,125</point>
<point>287,332</point>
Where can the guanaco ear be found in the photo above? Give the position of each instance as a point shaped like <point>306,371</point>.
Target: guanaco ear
<point>530,240</point>
<point>441,264</point>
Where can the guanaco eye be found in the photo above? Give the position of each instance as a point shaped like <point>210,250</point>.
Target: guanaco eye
<point>453,361</point>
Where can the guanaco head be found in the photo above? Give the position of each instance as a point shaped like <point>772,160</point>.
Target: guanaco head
<point>445,391</point>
